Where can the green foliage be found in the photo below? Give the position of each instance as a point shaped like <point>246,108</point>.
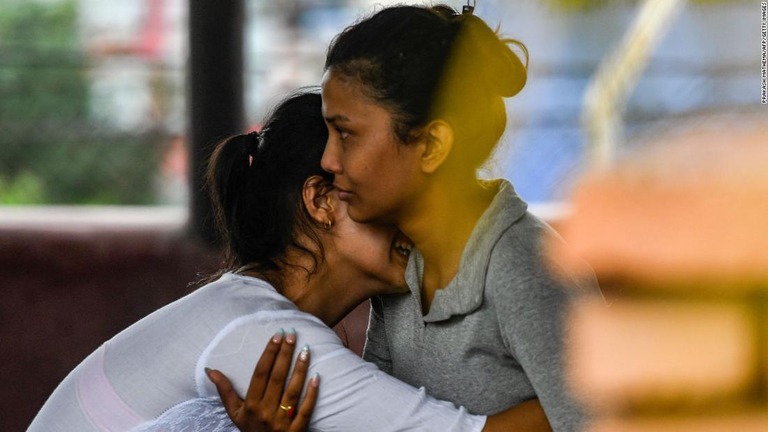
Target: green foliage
<point>26,188</point>
<point>50,151</point>
<point>41,71</point>
<point>49,23</point>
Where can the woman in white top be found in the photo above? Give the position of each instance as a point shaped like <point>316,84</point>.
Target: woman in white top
<point>294,261</point>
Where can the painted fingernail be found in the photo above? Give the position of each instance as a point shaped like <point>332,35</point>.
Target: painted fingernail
<point>304,354</point>
<point>208,374</point>
<point>291,336</point>
<point>278,337</point>
<point>315,380</point>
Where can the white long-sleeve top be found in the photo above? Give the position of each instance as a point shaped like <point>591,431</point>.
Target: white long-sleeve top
<point>159,362</point>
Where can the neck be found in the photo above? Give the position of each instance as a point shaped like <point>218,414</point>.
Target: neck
<point>446,207</point>
<point>329,294</point>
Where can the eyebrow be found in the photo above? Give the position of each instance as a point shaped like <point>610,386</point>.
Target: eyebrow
<point>337,118</point>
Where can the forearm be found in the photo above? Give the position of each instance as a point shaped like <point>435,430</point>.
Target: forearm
<point>527,416</point>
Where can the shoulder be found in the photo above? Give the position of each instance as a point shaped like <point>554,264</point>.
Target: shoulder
<point>237,347</point>
<point>519,266</point>
<point>239,293</point>
<point>517,251</point>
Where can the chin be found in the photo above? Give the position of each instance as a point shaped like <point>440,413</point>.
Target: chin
<point>367,216</point>
<point>393,282</point>
<point>401,287</point>
<point>393,287</point>
<point>396,281</point>
<point>358,216</point>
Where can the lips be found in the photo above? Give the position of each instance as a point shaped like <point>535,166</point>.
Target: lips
<point>344,194</point>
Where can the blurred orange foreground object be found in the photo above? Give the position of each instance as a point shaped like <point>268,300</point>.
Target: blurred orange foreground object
<point>678,238</point>
<point>657,354</point>
<point>689,212</point>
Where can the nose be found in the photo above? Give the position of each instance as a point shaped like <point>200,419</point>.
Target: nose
<point>330,159</point>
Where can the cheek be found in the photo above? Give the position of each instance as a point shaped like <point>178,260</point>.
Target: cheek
<point>373,246</point>
<point>384,172</point>
<point>376,244</point>
<point>373,159</point>
<point>396,179</point>
<point>369,251</point>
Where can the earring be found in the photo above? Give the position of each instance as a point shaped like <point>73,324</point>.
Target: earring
<point>328,224</point>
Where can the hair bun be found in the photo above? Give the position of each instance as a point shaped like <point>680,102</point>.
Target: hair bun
<point>491,58</point>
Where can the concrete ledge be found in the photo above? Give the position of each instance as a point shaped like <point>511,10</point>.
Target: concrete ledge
<point>90,218</point>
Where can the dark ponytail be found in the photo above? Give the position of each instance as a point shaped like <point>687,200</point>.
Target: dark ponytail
<point>256,181</point>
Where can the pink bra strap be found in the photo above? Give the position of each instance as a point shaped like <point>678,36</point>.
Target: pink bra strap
<point>101,404</point>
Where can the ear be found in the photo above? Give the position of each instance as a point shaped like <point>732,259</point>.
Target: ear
<point>438,142</point>
<point>318,200</point>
